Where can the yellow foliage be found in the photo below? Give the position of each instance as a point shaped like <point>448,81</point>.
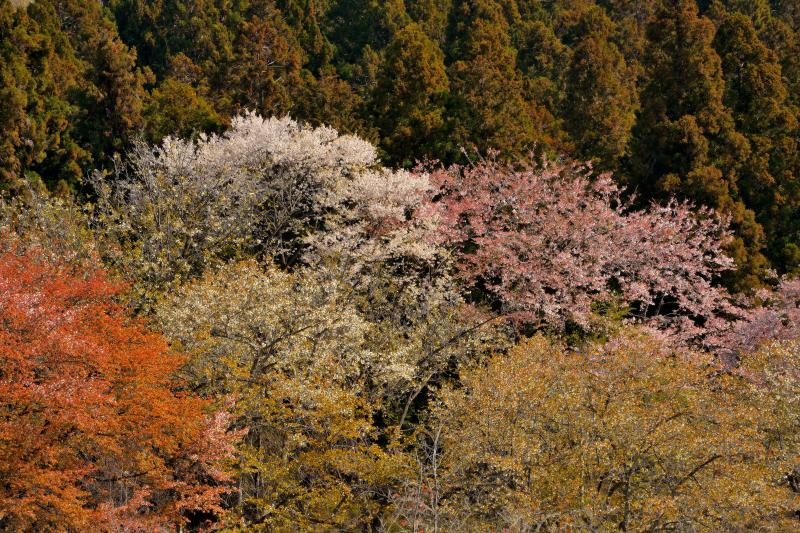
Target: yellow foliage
<point>626,435</point>
<point>310,460</point>
<point>295,359</point>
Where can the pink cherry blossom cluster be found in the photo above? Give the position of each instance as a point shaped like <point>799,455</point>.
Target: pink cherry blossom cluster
<point>545,241</point>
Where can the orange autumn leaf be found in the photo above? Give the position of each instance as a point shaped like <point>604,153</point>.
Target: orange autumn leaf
<point>91,431</point>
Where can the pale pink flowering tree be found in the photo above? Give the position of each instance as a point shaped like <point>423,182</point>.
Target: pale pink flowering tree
<point>543,242</point>
<point>768,316</point>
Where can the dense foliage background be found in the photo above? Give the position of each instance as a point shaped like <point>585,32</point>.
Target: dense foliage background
<point>697,100</point>
<point>366,265</point>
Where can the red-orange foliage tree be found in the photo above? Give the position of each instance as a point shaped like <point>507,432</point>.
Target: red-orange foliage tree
<point>91,433</point>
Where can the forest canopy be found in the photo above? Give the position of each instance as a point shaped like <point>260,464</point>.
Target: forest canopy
<point>697,101</point>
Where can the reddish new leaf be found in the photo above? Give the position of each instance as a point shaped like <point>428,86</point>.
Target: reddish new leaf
<point>91,433</point>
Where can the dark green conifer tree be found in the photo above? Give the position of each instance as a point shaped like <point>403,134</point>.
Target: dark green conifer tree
<point>489,107</point>
<point>302,17</point>
<point>685,143</point>
<point>330,100</point>
<point>601,96</point>
<point>432,16</point>
<point>264,75</point>
<point>38,71</point>
<point>71,91</point>
<point>755,93</point>
<point>408,103</point>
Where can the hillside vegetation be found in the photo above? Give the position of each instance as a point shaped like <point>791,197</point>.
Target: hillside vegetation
<point>367,265</point>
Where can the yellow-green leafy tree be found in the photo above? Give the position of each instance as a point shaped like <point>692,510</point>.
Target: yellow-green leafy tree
<point>627,435</point>
<point>295,359</point>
